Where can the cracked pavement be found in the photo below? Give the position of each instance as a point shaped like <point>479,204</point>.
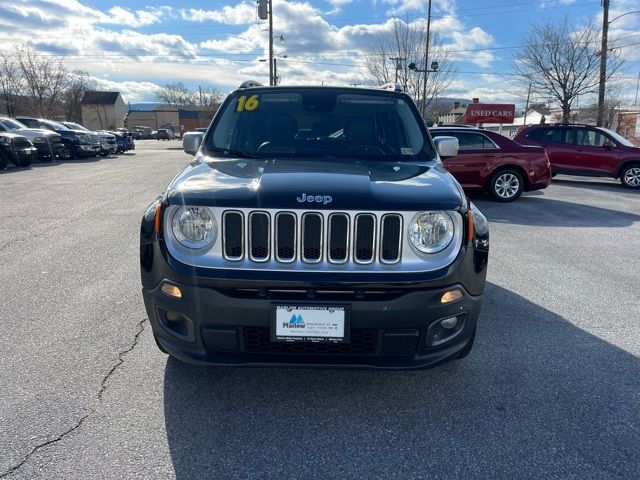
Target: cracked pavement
<point>551,389</point>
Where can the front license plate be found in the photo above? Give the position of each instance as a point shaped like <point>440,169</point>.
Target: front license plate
<point>309,323</point>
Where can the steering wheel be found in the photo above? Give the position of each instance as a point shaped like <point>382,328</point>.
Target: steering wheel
<point>367,150</point>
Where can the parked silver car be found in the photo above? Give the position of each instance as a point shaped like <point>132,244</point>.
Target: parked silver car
<point>47,142</point>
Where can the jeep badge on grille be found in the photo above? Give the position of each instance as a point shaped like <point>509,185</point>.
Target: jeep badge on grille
<point>324,199</point>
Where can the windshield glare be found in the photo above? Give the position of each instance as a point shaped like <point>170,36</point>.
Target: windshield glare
<point>319,123</point>
<point>13,124</point>
<point>618,138</point>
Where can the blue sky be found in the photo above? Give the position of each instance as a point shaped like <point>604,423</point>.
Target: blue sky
<point>135,46</point>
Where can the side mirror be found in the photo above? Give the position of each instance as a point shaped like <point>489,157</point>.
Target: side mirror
<point>191,142</point>
<point>446,146</point>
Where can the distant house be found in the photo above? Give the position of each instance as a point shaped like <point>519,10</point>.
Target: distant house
<point>154,116</point>
<point>196,117</point>
<point>103,110</point>
<point>456,115</point>
<point>180,119</point>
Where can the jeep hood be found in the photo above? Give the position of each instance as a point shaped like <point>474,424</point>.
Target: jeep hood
<point>35,132</point>
<point>340,184</point>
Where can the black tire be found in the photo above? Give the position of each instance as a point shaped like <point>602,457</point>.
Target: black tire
<point>3,160</point>
<point>160,347</point>
<point>24,162</point>
<point>67,152</point>
<point>467,348</point>
<point>506,185</point>
<point>630,176</point>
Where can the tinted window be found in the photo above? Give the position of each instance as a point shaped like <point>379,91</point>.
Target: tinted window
<point>590,138</point>
<point>556,135</point>
<point>535,134</point>
<point>303,123</point>
<point>29,122</point>
<point>470,140</point>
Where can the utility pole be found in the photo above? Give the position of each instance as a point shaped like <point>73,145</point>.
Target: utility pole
<point>526,108</point>
<point>603,62</point>
<point>200,92</point>
<point>275,72</point>
<point>398,64</point>
<point>426,63</point>
<point>637,88</point>
<point>271,77</point>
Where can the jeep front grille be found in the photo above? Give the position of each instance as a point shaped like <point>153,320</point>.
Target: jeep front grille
<point>298,240</point>
<point>312,237</point>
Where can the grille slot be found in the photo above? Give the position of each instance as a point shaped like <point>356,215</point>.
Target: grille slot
<point>338,238</point>
<point>365,233</point>
<point>233,235</point>
<point>259,236</point>
<point>362,342</point>
<point>285,237</point>
<point>390,238</point>
<point>312,237</point>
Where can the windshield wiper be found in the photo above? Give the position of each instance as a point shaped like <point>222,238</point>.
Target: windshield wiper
<point>235,153</point>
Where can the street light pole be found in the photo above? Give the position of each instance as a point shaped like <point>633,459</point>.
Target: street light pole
<point>271,82</point>
<point>603,62</point>
<point>426,62</point>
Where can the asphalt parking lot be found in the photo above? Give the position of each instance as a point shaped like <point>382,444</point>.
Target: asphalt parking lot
<point>551,389</point>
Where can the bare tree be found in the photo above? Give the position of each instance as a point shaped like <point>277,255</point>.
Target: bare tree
<point>388,58</point>
<point>209,96</point>
<point>561,61</point>
<point>177,94</point>
<point>45,80</point>
<point>611,105</point>
<point>11,81</point>
<point>79,82</point>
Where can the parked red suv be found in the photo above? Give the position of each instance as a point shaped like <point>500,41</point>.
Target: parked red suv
<point>492,162</point>
<point>586,150</point>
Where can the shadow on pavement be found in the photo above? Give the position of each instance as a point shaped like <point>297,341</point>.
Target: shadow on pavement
<point>544,211</point>
<point>537,397</point>
<point>602,184</point>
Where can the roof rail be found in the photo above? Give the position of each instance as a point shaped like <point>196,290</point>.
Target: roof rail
<point>250,83</point>
<point>396,87</point>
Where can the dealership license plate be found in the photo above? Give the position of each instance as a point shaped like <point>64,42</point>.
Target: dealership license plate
<point>309,323</point>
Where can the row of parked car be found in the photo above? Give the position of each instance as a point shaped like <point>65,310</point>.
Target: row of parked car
<point>505,168</point>
<point>23,140</point>
<point>146,133</point>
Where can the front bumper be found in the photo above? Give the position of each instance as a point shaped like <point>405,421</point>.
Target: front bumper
<point>231,326</point>
<point>84,150</point>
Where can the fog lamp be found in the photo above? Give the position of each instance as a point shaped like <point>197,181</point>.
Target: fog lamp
<point>449,323</point>
<point>171,290</point>
<point>451,296</point>
<point>173,316</point>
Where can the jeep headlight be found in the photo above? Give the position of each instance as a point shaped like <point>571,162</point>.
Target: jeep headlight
<point>431,232</point>
<point>194,227</point>
<point>83,137</point>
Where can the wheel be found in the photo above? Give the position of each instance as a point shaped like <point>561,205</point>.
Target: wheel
<point>67,152</point>
<point>467,348</point>
<point>630,176</point>
<point>3,160</point>
<point>506,185</point>
<point>160,347</point>
<point>24,162</point>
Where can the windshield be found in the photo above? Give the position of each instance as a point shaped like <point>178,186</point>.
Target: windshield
<point>330,123</point>
<point>618,138</point>
<point>54,125</point>
<point>75,126</point>
<point>12,124</point>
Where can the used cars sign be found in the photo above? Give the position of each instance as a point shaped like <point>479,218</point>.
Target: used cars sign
<point>490,113</point>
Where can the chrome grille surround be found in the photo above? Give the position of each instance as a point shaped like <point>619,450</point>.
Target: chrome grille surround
<point>408,258</point>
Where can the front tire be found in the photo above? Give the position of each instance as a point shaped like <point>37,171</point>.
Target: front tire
<point>630,176</point>
<point>467,348</point>
<point>67,152</point>
<point>506,185</point>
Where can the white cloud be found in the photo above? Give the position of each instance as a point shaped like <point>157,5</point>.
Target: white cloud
<point>230,15</point>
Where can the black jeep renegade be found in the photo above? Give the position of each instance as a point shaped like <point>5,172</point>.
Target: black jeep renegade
<point>316,226</point>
